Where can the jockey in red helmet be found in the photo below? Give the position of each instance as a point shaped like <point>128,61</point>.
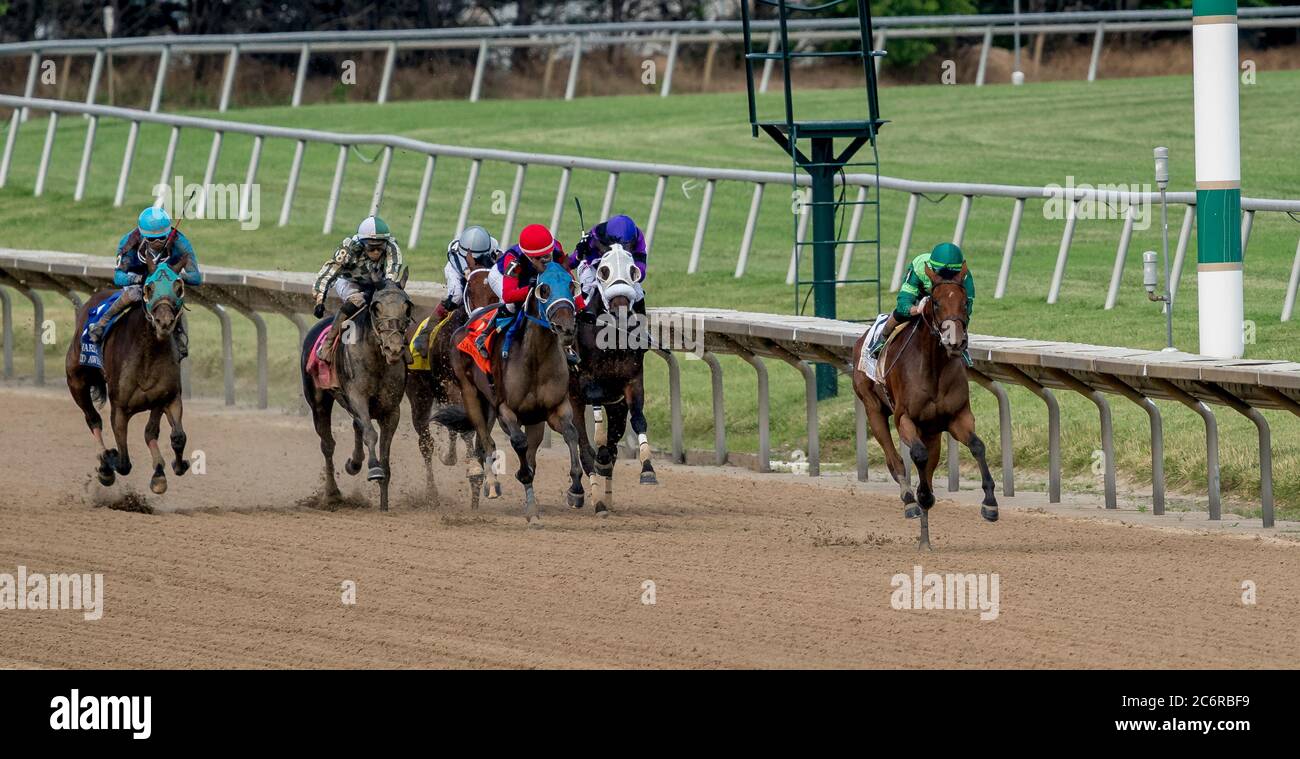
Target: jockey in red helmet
<point>516,271</point>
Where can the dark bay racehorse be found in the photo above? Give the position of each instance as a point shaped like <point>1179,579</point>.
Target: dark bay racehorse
<point>141,373</point>
<point>612,341</point>
<point>926,390</point>
<point>440,387</point>
<point>372,380</point>
<point>529,388</point>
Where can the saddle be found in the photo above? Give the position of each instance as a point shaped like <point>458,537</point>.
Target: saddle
<point>317,368</point>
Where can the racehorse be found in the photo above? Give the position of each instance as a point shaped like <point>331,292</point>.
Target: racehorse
<point>141,372</point>
<point>612,341</point>
<point>371,382</point>
<point>438,386</point>
<point>926,390</point>
<point>529,388</point>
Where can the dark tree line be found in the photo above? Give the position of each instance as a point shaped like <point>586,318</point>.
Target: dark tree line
<point>63,19</point>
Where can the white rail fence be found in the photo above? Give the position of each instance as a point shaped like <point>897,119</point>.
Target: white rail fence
<point>1072,198</point>
<point>571,40</point>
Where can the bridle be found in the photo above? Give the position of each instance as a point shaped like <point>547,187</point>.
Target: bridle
<point>398,324</point>
<point>926,312</point>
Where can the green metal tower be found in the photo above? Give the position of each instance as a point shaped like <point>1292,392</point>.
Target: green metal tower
<point>811,146</point>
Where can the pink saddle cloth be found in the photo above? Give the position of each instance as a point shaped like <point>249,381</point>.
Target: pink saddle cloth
<point>321,373</point>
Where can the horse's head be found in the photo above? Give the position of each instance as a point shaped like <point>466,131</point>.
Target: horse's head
<point>616,275</point>
<point>552,298</point>
<point>164,296</point>
<point>390,315</point>
<point>948,303</point>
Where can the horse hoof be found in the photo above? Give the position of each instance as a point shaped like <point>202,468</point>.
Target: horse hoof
<point>601,509</point>
<point>648,478</point>
<point>912,512</point>
<point>350,467</point>
<point>376,474</point>
<point>180,467</point>
<point>909,498</point>
<point>106,477</point>
<point>576,500</point>
<point>124,468</point>
<point>158,485</point>
<point>989,514</point>
<point>534,523</point>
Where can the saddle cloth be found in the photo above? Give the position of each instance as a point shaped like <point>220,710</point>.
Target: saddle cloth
<point>89,355</point>
<point>867,364</point>
<point>320,371</point>
<point>419,361</point>
<point>468,344</point>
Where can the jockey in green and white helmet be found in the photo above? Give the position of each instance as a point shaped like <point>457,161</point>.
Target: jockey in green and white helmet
<point>362,262</point>
<point>945,258</point>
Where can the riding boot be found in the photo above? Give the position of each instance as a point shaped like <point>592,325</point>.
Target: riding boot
<point>96,331</point>
<point>181,339</point>
<point>348,310</point>
<point>879,342</point>
<point>571,355</point>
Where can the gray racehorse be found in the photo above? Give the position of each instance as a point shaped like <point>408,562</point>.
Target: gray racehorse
<point>371,369</point>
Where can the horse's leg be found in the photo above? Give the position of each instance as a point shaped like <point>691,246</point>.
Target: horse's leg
<point>561,420</point>
<point>910,437</point>
<point>962,428</point>
<point>480,415</point>
<point>421,404</point>
<point>387,428</point>
<point>449,457</point>
<point>158,483</point>
<point>491,485</point>
<point>353,464</point>
<point>122,461</point>
<point>322,409</point>
<point>534,434</point>
<point>175,412</point>
<point>926,474</point>
<point>519,442</point>
<point>578,410</point>
<point>607,456</point>
<point>634,395</point>
<point>879,424</point>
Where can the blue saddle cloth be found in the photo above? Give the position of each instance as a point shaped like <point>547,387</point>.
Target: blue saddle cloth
<point>89,349</point>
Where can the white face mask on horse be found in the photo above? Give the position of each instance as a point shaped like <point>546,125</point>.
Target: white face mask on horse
<point>617,275</point>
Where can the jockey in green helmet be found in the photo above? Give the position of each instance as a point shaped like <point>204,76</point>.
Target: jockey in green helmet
<point>945,257</point>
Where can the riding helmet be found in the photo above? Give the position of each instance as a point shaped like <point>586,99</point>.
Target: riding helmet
<point>154,222</point>
<point>536,241</point>
<point>946,256</point>
<point>373,228</point>
<point>475,242</point>
<point>621,229</point>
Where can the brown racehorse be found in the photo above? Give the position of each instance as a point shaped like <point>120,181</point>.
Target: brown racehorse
<point>143,374</point>
<point>927,393</point>
<point>439,387</point>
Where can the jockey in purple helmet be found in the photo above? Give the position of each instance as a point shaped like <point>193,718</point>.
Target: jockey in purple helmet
<point>596,242</point>
<point>153,239</point>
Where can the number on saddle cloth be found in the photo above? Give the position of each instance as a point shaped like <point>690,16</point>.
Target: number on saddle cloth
<point>89,354</point>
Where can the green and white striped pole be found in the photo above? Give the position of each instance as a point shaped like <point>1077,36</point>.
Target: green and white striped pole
<point>1218,177</point>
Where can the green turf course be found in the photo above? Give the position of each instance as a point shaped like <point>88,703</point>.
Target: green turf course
<point>1036,134</point>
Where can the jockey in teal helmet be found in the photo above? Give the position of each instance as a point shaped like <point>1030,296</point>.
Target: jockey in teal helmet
<point>946,258</point>
<point>154,241</point>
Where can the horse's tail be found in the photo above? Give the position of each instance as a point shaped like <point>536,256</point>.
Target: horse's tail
<point>454,418</point>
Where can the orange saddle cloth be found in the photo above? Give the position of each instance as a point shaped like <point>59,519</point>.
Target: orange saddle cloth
<point>468,345</point>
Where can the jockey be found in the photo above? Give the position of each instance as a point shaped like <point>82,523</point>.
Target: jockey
<point>366,260</point>
<point>596,242</point>
<point>516,271</point>
<point>945,256</point>
<point>154,238</point>
<point>474,245</point>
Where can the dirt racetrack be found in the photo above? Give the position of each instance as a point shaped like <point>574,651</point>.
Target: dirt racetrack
<point>749,570</point>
